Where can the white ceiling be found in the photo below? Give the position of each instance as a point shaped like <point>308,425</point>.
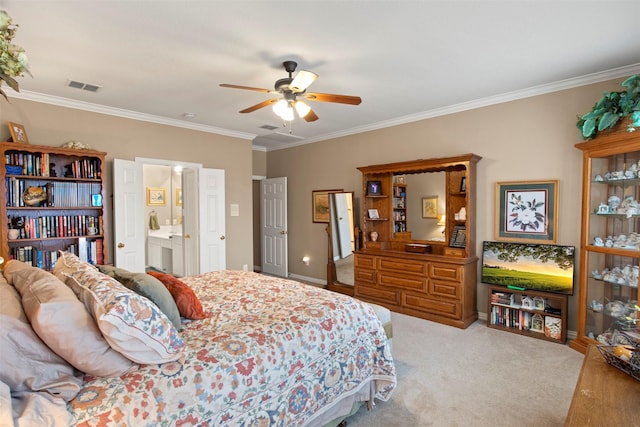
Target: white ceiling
<point>407,60</point>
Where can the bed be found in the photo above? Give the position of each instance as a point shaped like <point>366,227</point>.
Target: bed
<point>270,352</point>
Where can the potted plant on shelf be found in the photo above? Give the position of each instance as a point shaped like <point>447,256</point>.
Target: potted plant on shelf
<point>13,60</point>
<point>613,107</point>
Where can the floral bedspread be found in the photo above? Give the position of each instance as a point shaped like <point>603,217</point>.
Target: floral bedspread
<point>274,353</point>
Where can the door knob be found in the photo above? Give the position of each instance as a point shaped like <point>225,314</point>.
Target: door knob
<point>120,245</point>
<point>221,237</point>
<point>283,232</point>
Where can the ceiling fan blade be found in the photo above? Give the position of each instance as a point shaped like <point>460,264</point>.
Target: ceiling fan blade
<point>260,105</point>
<point>311,116</point>
<point>302,81</point>
<point>328,97</point>
<point>257,89</point>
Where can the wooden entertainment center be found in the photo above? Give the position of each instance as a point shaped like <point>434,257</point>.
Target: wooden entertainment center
<point>431,279</point>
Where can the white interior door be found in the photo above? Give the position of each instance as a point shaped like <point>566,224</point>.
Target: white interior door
<point>273,208</point>
<point>213,254</point>
<point>129,247</point>
<point>190,212</point>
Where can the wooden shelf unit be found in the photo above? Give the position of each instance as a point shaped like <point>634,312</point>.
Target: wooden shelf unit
<point>513,317</point>
<point>72,217</point>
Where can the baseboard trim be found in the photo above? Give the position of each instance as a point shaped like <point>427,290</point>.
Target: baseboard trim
<point>307,279</point>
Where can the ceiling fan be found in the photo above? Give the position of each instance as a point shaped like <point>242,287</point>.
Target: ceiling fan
<point>290,89</point>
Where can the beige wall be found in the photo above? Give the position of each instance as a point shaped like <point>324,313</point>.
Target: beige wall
<point>528,139</point>
<point>127,139</point>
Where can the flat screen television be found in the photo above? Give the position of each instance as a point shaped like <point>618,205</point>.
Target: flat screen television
<point>522,266</point>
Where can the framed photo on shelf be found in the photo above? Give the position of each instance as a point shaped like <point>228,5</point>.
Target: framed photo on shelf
<point>463,184</point>
<point>320,205</point>
<point>18,133</point>
<point>527,211</point>
<point>399,179</point>
<point>458,237</point>
<point>373,214</point>
<point>374,188</point>
<point>156,196</point>
<point>430,207</point>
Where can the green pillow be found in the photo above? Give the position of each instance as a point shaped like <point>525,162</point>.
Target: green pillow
<point>149,287</point>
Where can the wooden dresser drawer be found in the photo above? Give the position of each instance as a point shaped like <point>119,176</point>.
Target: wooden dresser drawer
<point>364,261</point>
<point>377,293</point>
<point>445,289</point>
<point>364,275</point>
<point>402,281</point>
<point>445,272</point>
<point>405,266</point>
<point>443,308</point>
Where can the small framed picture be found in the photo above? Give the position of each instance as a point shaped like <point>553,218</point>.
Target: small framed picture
<point>463,184</point>
<point>373,214</point>
<point>539,303</point>
<point>320,205</point>
<point>156,196</point>
<point>430,207</point>
<point>18,133</point>
<point>399,179</point>
<point>458,237</point>
<point>178,196</point>
<point>96,200</point>
<point>374,188</point>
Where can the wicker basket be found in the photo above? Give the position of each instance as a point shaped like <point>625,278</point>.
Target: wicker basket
<point>631,367</point>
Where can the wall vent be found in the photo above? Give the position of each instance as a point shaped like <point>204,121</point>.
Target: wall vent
<point>84,86</point>
<point>269,127</point>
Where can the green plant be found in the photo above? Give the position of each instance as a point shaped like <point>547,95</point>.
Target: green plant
<point>13,60</point>
<point>611,108</point>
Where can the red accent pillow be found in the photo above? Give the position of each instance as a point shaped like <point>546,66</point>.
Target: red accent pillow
<point>187,301</point>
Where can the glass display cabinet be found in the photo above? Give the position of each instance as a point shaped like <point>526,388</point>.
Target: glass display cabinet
<point>610,239</point>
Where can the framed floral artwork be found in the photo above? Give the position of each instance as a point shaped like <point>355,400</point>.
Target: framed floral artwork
<point>527,211</point>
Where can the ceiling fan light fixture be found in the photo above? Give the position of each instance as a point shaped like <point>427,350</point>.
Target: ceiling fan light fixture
<point>302,81</point>
<point>283,110</point>
<point>302,108</point>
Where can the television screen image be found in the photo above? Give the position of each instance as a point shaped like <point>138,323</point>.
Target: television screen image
<point>548,268</point>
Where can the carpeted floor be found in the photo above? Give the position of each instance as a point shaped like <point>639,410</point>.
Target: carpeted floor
<point>474,377</point>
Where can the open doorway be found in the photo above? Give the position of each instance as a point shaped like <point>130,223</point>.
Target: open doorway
<point>163,210</point>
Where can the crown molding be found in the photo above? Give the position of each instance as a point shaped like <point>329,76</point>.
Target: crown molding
<point>127,114</point>
<point>602,76</point>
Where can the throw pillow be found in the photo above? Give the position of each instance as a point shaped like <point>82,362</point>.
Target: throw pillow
<point>148,287</point>
<point>186,299</point>
<point>130,323</point>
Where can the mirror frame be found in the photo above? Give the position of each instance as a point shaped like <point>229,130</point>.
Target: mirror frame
<point>333,283</point>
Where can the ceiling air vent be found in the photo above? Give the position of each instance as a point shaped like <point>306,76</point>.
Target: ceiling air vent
<point>268,127</point>
<point>84,86</point>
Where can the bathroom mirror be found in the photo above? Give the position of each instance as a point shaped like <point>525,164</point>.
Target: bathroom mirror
<point>342,241</point>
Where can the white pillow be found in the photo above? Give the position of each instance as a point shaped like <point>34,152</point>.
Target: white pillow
<point>63,322</point>
<point>131,324</point>
<point>27,363</point>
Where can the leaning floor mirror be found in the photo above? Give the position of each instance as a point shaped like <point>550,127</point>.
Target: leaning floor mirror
<point>342,241</point>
